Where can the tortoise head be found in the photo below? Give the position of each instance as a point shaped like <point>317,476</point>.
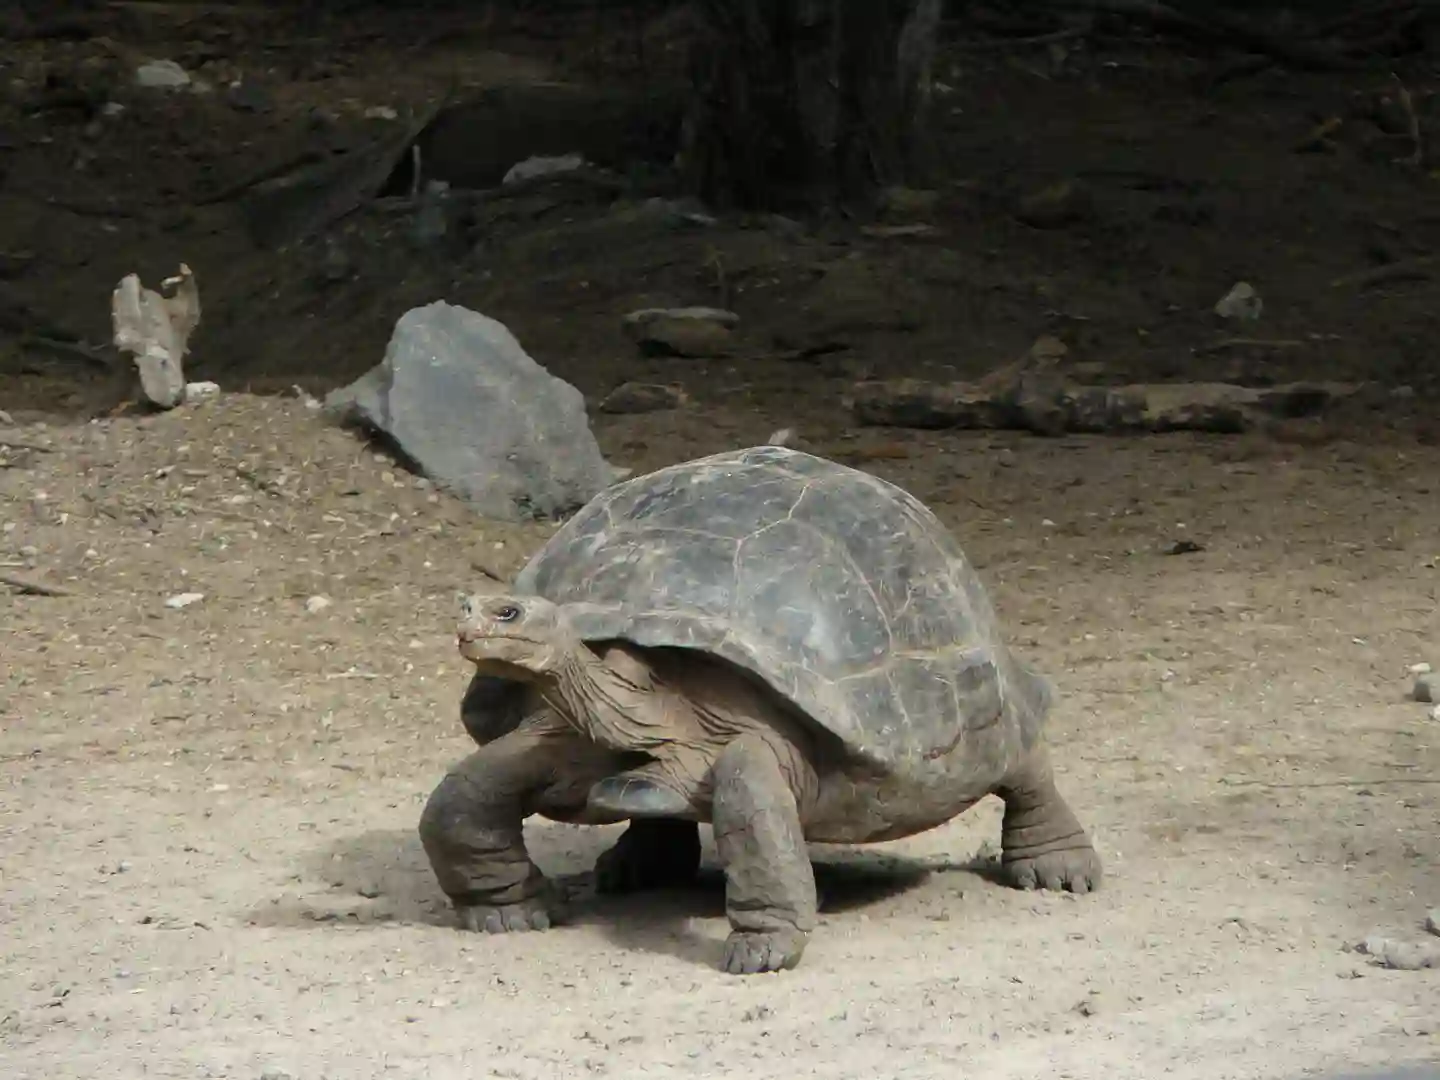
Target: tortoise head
<point>512,636</point>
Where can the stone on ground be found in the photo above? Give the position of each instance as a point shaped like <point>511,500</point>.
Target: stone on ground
<point>460,398</point>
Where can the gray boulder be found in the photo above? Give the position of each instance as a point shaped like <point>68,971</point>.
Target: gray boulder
<point>459,397</point>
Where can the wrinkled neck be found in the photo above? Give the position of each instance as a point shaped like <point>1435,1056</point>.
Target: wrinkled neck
<point>601,703</point>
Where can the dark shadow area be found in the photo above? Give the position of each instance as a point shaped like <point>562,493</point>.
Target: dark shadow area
<point>1101,177</point>
<point>383,877</point>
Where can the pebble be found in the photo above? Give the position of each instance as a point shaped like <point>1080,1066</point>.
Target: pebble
<point>635,397</point>
<point>198,391</point>
<point>184,600</point>
<point>1421,668</point>
<point>1401,955</point>
<point>534,167</point>
<point>689,331</point>
<point>1432,921</point>
<point>317,604</point>
<point>162,75</point>
<point>781,437</point>
<point>1241,302</point>
<point>1424,689</point>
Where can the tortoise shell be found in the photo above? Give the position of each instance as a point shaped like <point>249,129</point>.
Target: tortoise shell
<point>841,591</point>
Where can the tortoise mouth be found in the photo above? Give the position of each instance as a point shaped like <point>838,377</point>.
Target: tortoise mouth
<point>505,653</point>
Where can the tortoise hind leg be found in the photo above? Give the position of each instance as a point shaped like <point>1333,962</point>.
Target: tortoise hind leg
<point>1042,842</point>
<point>653,853</point>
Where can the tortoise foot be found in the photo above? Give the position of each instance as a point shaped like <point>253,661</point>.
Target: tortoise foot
<point>751,953</point>
<point>537,913</point>
<point>1076,869</point>
<point>650,854</point>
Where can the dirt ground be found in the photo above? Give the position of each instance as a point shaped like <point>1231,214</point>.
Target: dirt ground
<point>208,859</point>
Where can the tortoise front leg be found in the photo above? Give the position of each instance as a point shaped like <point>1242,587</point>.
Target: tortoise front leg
<point>472,830</point>
<point>769,882</point>
<point>653,853</point>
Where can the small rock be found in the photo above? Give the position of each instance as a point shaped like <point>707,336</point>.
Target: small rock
<point>381,112</point>
<point>1432,921</point>
<point>1401,955</point>
<point>534,167</point>
<point>1435,713</point>
<point>316,604</point>
<point>275,1074</point>
<point>635,397</point>
<point>1421,668</point>
<point>1060,204</point>
<point>195,391</point>
<point>249,97</point>
<point>184,600</point>
<point>1184,547</point>
<point>1424,688</point>
<point>1241,302</point>
<point>6,418</point>
<point>162,75</point>
<point>783,437</point>
<point>690,331</point>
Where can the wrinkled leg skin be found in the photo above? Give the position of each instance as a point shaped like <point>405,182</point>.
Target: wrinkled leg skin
<point>1043,845</point>
<point>653,853</point>
<point>472,830</point>
<point>769,882</point>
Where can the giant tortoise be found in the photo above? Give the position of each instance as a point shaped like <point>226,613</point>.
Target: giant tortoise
<point>773,643</point>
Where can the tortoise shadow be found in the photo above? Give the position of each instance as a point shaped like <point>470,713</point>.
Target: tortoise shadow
<point>383,876</point>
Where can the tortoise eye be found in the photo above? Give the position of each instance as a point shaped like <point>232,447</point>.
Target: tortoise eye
<point>508,613</point>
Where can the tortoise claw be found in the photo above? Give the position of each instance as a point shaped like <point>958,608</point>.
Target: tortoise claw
<point>1075,869</point>
<point>749,953</point>
<point>534,914</point>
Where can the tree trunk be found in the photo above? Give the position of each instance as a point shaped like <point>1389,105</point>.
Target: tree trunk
<point>801,103</point>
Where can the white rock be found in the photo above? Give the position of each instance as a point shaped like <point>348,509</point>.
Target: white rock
<point>194,391</point>
<point>1424,689</point>
<point>156,330</point>
<point>381,112</point>
<point>783,437</point>
<point>1241,302</point>
<point>184,600</point>
<point>1421,668</point>
<point>698,314</point>
<point>533,167</point>
<point>162,75</point>
<point>317,604</point>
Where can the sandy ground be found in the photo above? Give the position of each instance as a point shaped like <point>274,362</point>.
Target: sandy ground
<point>207,827</point>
